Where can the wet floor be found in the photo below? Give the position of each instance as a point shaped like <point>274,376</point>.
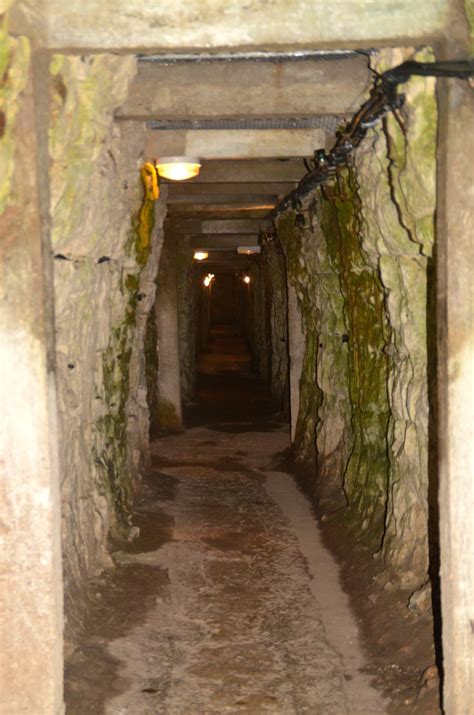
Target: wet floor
<point>228,602</point>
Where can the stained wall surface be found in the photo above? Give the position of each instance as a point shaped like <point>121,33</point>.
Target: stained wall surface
<point>361,270</point>
<point>106,240</point>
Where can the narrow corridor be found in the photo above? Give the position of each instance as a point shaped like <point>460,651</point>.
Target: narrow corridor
<point>227,602</point>
<point>237,350</point>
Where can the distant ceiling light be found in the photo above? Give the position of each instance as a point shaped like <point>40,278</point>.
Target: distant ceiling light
<point>200,255</point>
<point>247,279</point>
<point>208,279</point>
<point>178,168</point>
<point>248,250</point>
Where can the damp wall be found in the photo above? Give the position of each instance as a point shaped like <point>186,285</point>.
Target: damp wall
<point>361,271</point>
<point>106,238</point>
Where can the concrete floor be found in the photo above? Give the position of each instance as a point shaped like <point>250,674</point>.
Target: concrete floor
<point>245,613</point>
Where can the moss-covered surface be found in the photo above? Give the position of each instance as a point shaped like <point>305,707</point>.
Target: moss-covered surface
<point>14,66</point>
<point>111,428</point>
<point>359,269</point>
<point>84,93</point>
<point>366,474</point>
<point>167,417</point>
<point>469,10</point>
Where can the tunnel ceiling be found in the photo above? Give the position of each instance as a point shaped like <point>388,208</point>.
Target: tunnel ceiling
<point>252,122</point>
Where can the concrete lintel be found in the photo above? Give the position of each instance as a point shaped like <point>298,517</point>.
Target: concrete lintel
<point>247,170</point>
<point>204,90</point>
<point>135,25</point>
<point>211,213</point>
<point>192,201</point>
<point>237,143</point>
<point>223,241</point>
<point>193,191</point>
<point>188,226</point>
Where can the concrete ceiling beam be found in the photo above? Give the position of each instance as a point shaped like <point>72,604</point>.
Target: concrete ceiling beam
<point>203,192</point>
<point>224,240</point>
<point>220,200</point>
<point>223,243</point>
<point>225,255</point>
<point>246,170</point>
<point>237,144</point>
<point>203,90</point>
<point>205,213</point>
<point>244,226</point>
<point>134,25</point>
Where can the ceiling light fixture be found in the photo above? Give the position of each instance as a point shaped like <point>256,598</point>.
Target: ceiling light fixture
<point>178,168</point>
<point>248,250</point>
<point>200,255</point>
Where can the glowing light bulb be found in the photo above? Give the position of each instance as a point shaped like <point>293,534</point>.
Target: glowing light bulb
<point>200,255</point>
<point>178,168</point>
<point>208,279</point>
<point>247,279</point>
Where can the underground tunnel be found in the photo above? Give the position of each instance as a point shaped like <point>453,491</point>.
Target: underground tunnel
<point>238,403</point>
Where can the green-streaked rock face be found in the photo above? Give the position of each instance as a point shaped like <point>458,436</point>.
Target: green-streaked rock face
<point>405,150</point>
<point>106,238</point>
<point>469,9</point>
<point>360,269</point>
<point>14,65</point>
<point>366,470</point>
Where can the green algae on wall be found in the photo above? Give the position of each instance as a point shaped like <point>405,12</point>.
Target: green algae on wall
<point>111,450</point>
<point>103,279</point>
<point>112,428</point>
<point>469,10</point>
<point>14,67</point>
<point>85,92</point>
<point>359,268</point>
<point>406,152</point>
<point>366,473</point>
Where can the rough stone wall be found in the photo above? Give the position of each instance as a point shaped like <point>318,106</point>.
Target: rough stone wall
<point>403,237</point>
<point>106,241</point>
<point>151,370</point>
<point>360,269</point>
<point>188,314</point>
<point>273,278</point>
<point>323,437</point>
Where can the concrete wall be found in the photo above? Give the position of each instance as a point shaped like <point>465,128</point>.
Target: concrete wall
<point>169,413</point>
<point>31,624</point>
<point>456,391</point>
